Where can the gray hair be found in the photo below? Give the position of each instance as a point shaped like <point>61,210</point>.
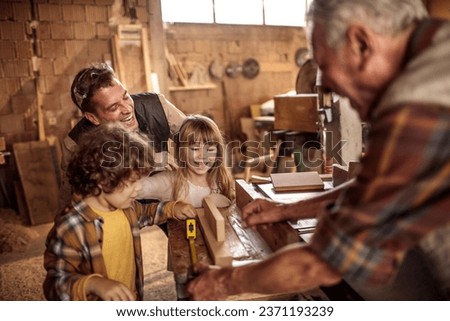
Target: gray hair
<point>382,16</point>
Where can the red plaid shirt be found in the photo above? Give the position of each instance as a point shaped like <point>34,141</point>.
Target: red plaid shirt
<point>403,191</point>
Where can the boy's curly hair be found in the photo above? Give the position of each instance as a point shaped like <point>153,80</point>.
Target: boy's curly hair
<point>107,156</point>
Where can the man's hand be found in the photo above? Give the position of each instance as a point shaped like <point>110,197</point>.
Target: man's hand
<point>262,211</point>
<point>211,284</point>
<point>183,211</point>
<point>296,268</point>
<point>109,290</point>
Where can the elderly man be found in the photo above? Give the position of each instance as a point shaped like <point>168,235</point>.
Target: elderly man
<point>101,97</point>
<point>391,61</point>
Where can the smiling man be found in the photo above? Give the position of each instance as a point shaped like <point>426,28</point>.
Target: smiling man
<point>102,98</point>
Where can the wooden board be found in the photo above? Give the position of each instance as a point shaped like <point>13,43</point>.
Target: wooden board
<point>219,251</point>
<point>215,219</point>
<point>276,235</point>
<point>286,197</point>
<point>37,175</point>
<point>131,56</point>
<point>296,112</point>
<point>298,181</point>
<point>179,249</point>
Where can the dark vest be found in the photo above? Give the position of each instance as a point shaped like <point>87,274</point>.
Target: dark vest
<point>150,116</point>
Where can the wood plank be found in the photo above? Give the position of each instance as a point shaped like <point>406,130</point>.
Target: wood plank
<point>130,32</point>
<point>245,193</point>
<point>37,174</point>
<point>296,182</point>
<point>131,53</point>
<point>215,219</point>
<point>276,235</point>
<point>177,67</point>
<point>193,87</point>
<point>296,112</point>
<point>118,61</point>
<point>146,55</point>
<point>218,251</point>
<point>340,174</point>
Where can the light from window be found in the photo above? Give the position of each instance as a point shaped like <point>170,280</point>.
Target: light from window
<point>194,11</point>
<point>244,12</point>
<point>285,12</point>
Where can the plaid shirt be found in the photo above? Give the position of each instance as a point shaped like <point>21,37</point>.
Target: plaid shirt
<point>403,190</point>
<point>74,248</point>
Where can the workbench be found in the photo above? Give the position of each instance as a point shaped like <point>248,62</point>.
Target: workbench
<point>246,246</point>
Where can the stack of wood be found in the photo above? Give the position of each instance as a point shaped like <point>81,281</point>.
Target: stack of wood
<point>176,70</point>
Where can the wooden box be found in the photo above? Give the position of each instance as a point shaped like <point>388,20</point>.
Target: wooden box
<point>296,112</point>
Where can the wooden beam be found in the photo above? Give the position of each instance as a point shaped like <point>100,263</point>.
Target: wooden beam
<point>157,44</point>
<point>219,251</point>
<point>215,219</point>
<point>37,175</point>
<point>146,56</point>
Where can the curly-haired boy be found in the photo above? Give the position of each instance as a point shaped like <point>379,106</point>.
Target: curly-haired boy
<point>93,251</point>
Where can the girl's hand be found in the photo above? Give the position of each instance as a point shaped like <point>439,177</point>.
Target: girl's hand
<point>183,211</point>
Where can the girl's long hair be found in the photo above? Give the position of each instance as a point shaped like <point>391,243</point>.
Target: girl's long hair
<point>199,128</point>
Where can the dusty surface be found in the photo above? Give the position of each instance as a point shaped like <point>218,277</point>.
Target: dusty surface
<point>21,261</point>
<point>14,236</point>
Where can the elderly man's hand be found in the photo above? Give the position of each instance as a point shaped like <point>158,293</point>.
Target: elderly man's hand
<point>262,211</point>
<point>211,284</point>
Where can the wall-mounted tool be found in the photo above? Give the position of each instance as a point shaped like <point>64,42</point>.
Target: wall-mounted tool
<point>216,69</point>
<point>233,70</point>
<point>301,56</point>
<point>250,68</point>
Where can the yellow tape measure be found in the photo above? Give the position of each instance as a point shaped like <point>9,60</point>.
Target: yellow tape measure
<point>191,228</point>
<point>191,235</point>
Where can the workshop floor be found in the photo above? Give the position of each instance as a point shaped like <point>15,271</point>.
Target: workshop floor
<point>21,261</point>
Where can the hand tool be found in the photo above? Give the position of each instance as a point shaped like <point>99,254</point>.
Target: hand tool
<point>191,235</point>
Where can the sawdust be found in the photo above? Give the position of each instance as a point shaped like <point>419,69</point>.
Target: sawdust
<point>21,263</point>
<point>22,280</point>
<point>14,236</point>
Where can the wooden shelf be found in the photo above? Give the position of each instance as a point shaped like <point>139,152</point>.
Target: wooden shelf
<point>193,87</point>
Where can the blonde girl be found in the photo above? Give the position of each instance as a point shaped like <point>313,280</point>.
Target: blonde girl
<point>199,151</point>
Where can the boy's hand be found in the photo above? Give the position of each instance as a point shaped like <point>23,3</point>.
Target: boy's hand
<point>109,290</point>
<point>183,211</point>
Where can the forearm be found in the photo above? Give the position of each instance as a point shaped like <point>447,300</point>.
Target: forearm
<point>62,282</point>
<point>296,268</point>
<point>311,207</point>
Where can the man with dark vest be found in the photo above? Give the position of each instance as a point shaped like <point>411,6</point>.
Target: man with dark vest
<point>101,97</point>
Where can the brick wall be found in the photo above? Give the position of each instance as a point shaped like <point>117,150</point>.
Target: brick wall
<point>273,47</point>
<point>43,43</point>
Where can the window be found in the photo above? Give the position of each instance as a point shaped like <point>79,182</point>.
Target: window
<point>245,12</point>
<point>284,12</point>
<point>194,11</point>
